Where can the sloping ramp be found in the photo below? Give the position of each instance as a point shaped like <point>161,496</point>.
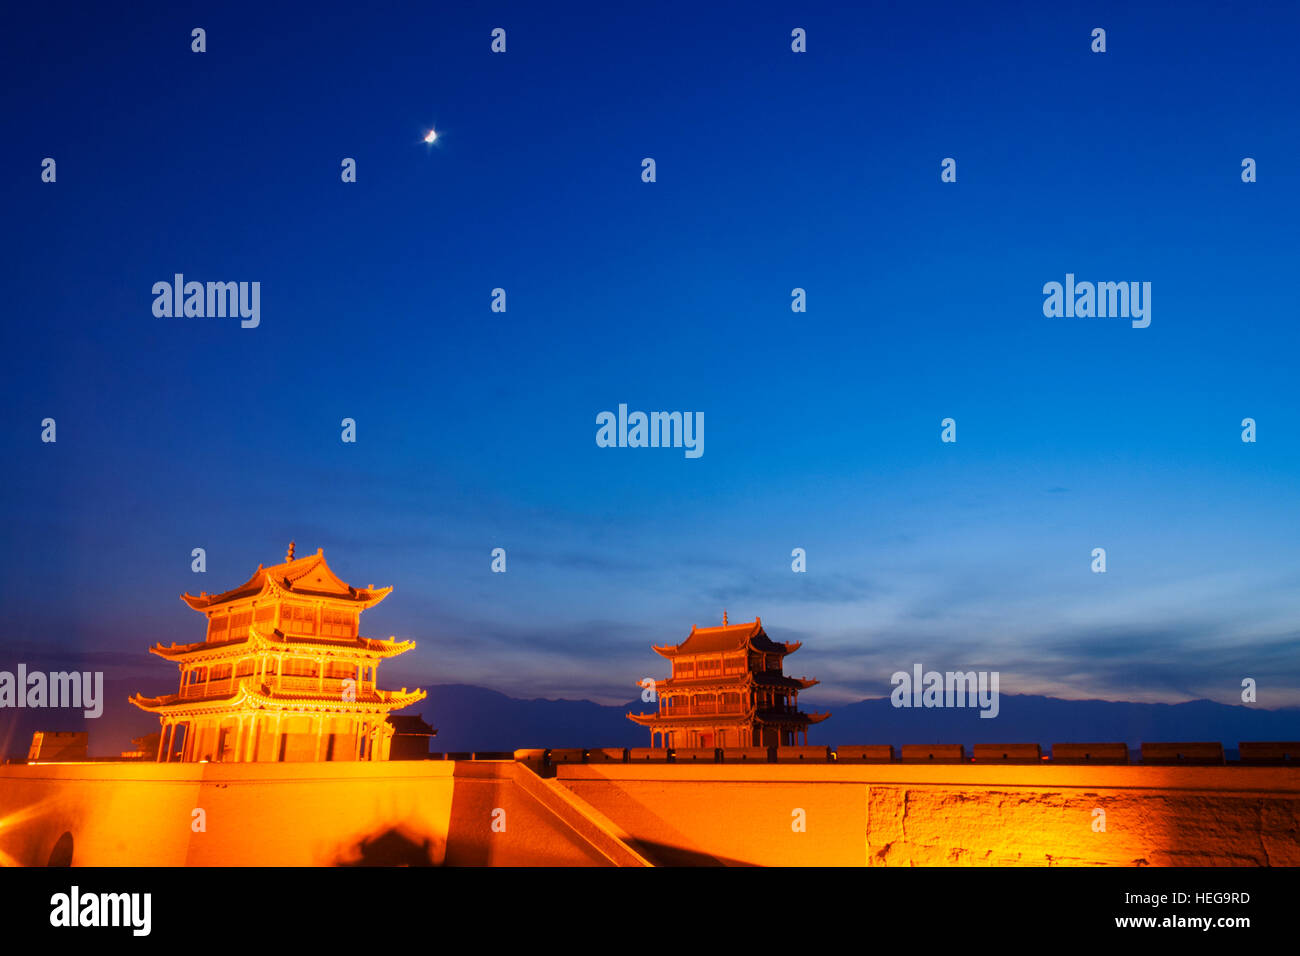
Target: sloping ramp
<point>504,814</point>
<point>602,833</point>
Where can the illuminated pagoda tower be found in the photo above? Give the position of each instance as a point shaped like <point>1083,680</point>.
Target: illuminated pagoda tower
<point>728,689</point>
<point>283,673</point>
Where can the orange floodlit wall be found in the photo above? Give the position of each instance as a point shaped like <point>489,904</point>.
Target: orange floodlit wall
<point>949,815</point>
<point>501,814</point>
<point>144,814</point>
<point>426,812</point>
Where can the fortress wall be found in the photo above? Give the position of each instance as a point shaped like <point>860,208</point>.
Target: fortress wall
<point>950,815</point>
<point>140,814</point>
<point>112,811</point>
<point>289,814</point>
<point>319,814</point>
<point>123,814</point>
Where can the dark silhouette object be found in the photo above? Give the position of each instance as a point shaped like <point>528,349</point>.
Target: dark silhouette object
<point>411,736</point>
<point>393,847</point>
<point>61,855</point>
<point>58,745</point>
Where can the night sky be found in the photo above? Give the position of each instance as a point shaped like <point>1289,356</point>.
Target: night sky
<point>775,170</point>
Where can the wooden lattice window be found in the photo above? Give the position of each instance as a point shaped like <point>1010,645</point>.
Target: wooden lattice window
<point>298,619</point>
<point>239,624</point>
<point>338,623</point>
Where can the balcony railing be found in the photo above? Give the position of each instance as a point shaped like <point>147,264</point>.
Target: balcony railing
<point>778,711</point>
<point>330,687</point>
<point>702,710</point>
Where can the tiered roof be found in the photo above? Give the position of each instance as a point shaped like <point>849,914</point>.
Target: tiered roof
<point>727,637</point>
<point>307,577</point>
<point>721,640</point>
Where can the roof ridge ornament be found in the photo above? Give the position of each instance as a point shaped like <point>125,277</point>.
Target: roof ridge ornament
<point>289,555</point>
<point>724,617</point>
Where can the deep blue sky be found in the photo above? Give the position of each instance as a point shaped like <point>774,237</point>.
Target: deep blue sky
<point>775,170</point>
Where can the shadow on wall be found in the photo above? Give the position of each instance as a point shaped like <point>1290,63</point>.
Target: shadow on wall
<point>392,847</point>
<point>665,854</point>
<point>61,855</point>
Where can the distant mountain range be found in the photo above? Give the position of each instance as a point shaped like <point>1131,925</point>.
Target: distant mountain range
<point>472,718</point>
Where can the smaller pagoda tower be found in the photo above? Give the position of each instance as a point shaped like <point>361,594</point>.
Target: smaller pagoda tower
<point>728,689</point>
<point>283,673</point>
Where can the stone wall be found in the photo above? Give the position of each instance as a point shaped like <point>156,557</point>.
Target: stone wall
<point>435,812</point>
<point>305,814</point>
<point>950,815</point>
